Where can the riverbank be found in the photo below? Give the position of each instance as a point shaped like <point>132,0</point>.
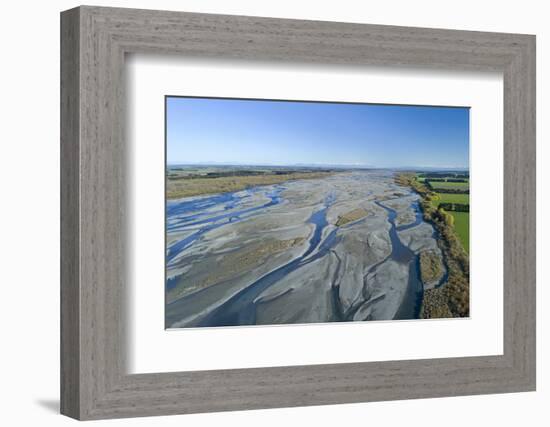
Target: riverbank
<point>453,298</point>
<point>182,186</point>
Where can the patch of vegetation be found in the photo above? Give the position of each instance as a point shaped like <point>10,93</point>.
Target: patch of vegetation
<point>198,185</point>
<point>431,267</point>
<point>454,296</point>
<point>444,174</point>
<point>451,198</point>
<point>454,207</point>
<point>461,219</point>
<point>436,185</point>
<point>351,216</point>
<point>462,227</point>
<point>434,305</point>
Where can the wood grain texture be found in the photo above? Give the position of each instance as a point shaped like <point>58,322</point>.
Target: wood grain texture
<point>94,382</point>
<point>70,314</point>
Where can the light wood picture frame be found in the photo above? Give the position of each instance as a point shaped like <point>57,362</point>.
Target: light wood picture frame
<point>94,379</point>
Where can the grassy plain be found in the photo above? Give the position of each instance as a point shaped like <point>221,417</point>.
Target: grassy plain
<point>462,228</point>
<point>177,187</point>
<point>461,219</point>
<point>451,198</point>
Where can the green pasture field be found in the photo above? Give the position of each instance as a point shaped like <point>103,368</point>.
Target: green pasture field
<point>451,198</point>
<point>462,227</point>
<point>452,185</point>
<point>461,219</point>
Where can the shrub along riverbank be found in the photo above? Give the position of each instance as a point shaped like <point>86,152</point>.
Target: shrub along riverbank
<point>453,298</point>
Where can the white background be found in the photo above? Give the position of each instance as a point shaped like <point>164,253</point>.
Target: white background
<point>29,216</point>
<point>154,350</point>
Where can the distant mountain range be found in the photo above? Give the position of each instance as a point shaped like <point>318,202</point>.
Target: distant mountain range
<point>319,165</point>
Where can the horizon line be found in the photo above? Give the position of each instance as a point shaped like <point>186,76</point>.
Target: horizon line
<point>351,165</point>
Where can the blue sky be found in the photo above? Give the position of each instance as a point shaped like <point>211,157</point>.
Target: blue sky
<point>253,132</point>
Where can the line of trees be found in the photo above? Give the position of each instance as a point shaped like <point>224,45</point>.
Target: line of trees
<point>452,299</point>
<point>457,207</point>
<point>445,180</point>
<point>452,190</point>
<point>443,174</point>
<point>446,190</point>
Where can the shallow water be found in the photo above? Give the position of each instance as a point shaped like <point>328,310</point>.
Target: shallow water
<point>241,309</point>
<point>183,216</point>
<point>200,215</point>
<point>412,301</point>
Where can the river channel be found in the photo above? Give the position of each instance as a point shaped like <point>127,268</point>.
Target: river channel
<point>192,218</point>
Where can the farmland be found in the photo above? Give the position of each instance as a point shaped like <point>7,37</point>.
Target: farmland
<point>462,228</point>
<point>452,198</point>
<point>461,219</point>
<point>449,185</point>
<point>459,195</point>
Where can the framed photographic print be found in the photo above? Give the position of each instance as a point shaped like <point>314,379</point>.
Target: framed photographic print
<point>282,212</point>
<point>262,213</point>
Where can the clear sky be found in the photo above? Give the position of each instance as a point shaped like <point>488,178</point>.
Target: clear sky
<point>252,132</point>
